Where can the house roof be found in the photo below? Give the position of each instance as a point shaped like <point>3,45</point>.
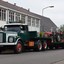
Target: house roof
<point>15,7</point>
<point>47,24</point>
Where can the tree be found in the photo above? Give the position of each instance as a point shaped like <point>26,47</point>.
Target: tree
<point>62,28</point>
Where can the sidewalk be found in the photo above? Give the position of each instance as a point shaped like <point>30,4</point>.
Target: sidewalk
<point>60,62</point>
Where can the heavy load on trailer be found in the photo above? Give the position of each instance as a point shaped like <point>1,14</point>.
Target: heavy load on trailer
<point>57,39</point>
<point>17,37</point>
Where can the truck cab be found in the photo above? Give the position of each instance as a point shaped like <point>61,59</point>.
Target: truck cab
<point>17,37</point>
<point>21,30</point>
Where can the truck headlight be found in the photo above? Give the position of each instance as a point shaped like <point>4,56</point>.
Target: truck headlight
<point>10,39</point>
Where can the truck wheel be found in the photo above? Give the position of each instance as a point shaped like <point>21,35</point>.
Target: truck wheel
<point>18,47</point>
<point>44,45</point>
<point>39,46</point>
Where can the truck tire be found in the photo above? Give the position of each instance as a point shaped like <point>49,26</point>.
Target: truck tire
<point>18,48</point>
<point>44,45</point>
<point>38,46</point>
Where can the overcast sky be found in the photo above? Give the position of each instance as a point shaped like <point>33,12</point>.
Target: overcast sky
<point>56,14</point>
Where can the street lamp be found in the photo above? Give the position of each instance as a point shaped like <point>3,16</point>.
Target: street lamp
<point>46,8</point>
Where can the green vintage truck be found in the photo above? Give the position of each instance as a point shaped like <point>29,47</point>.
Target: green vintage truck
<point>18,38</point>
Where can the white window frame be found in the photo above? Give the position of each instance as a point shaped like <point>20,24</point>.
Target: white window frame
<point>23,17</point>
<point>11,16</point>
<point>17,17</point>
<point>37,23</point>
<point>3,14</point>
<point>29,21</point>
<point>33,22</point>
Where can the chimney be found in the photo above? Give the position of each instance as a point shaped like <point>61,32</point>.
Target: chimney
<point>14,4</point>
<point>28,9</point>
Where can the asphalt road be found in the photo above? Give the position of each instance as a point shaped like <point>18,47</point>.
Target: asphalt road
<point>43,57</point>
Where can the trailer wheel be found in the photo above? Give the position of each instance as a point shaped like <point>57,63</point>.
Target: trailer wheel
<point>62,47</point>
<point>44,45</point>
<point>18,48</point>
<point>38,46</point>
<point>51,47</point>
<point>0,51</point>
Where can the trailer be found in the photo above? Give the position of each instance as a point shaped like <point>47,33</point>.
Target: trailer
<point>57,39</point>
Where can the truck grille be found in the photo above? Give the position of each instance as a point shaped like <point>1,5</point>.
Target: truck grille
<point>1,37</point>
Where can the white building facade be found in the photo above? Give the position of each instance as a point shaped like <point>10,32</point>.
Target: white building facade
<point>8,15</point>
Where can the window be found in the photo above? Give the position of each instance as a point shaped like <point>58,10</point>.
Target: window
<point>17,17</point>
<point>2,14</point>
<point>37,22</point>
<point>23,18</point>
<point>29,20</point>
<point>11,16</point>
<point>33,22</point>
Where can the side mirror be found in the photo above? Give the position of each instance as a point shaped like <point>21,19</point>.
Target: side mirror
<point>1,28</point>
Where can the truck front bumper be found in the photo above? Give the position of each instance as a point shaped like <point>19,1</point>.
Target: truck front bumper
<point>7,44</point>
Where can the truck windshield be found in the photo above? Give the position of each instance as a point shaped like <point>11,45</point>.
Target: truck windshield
<point>16,28</point>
